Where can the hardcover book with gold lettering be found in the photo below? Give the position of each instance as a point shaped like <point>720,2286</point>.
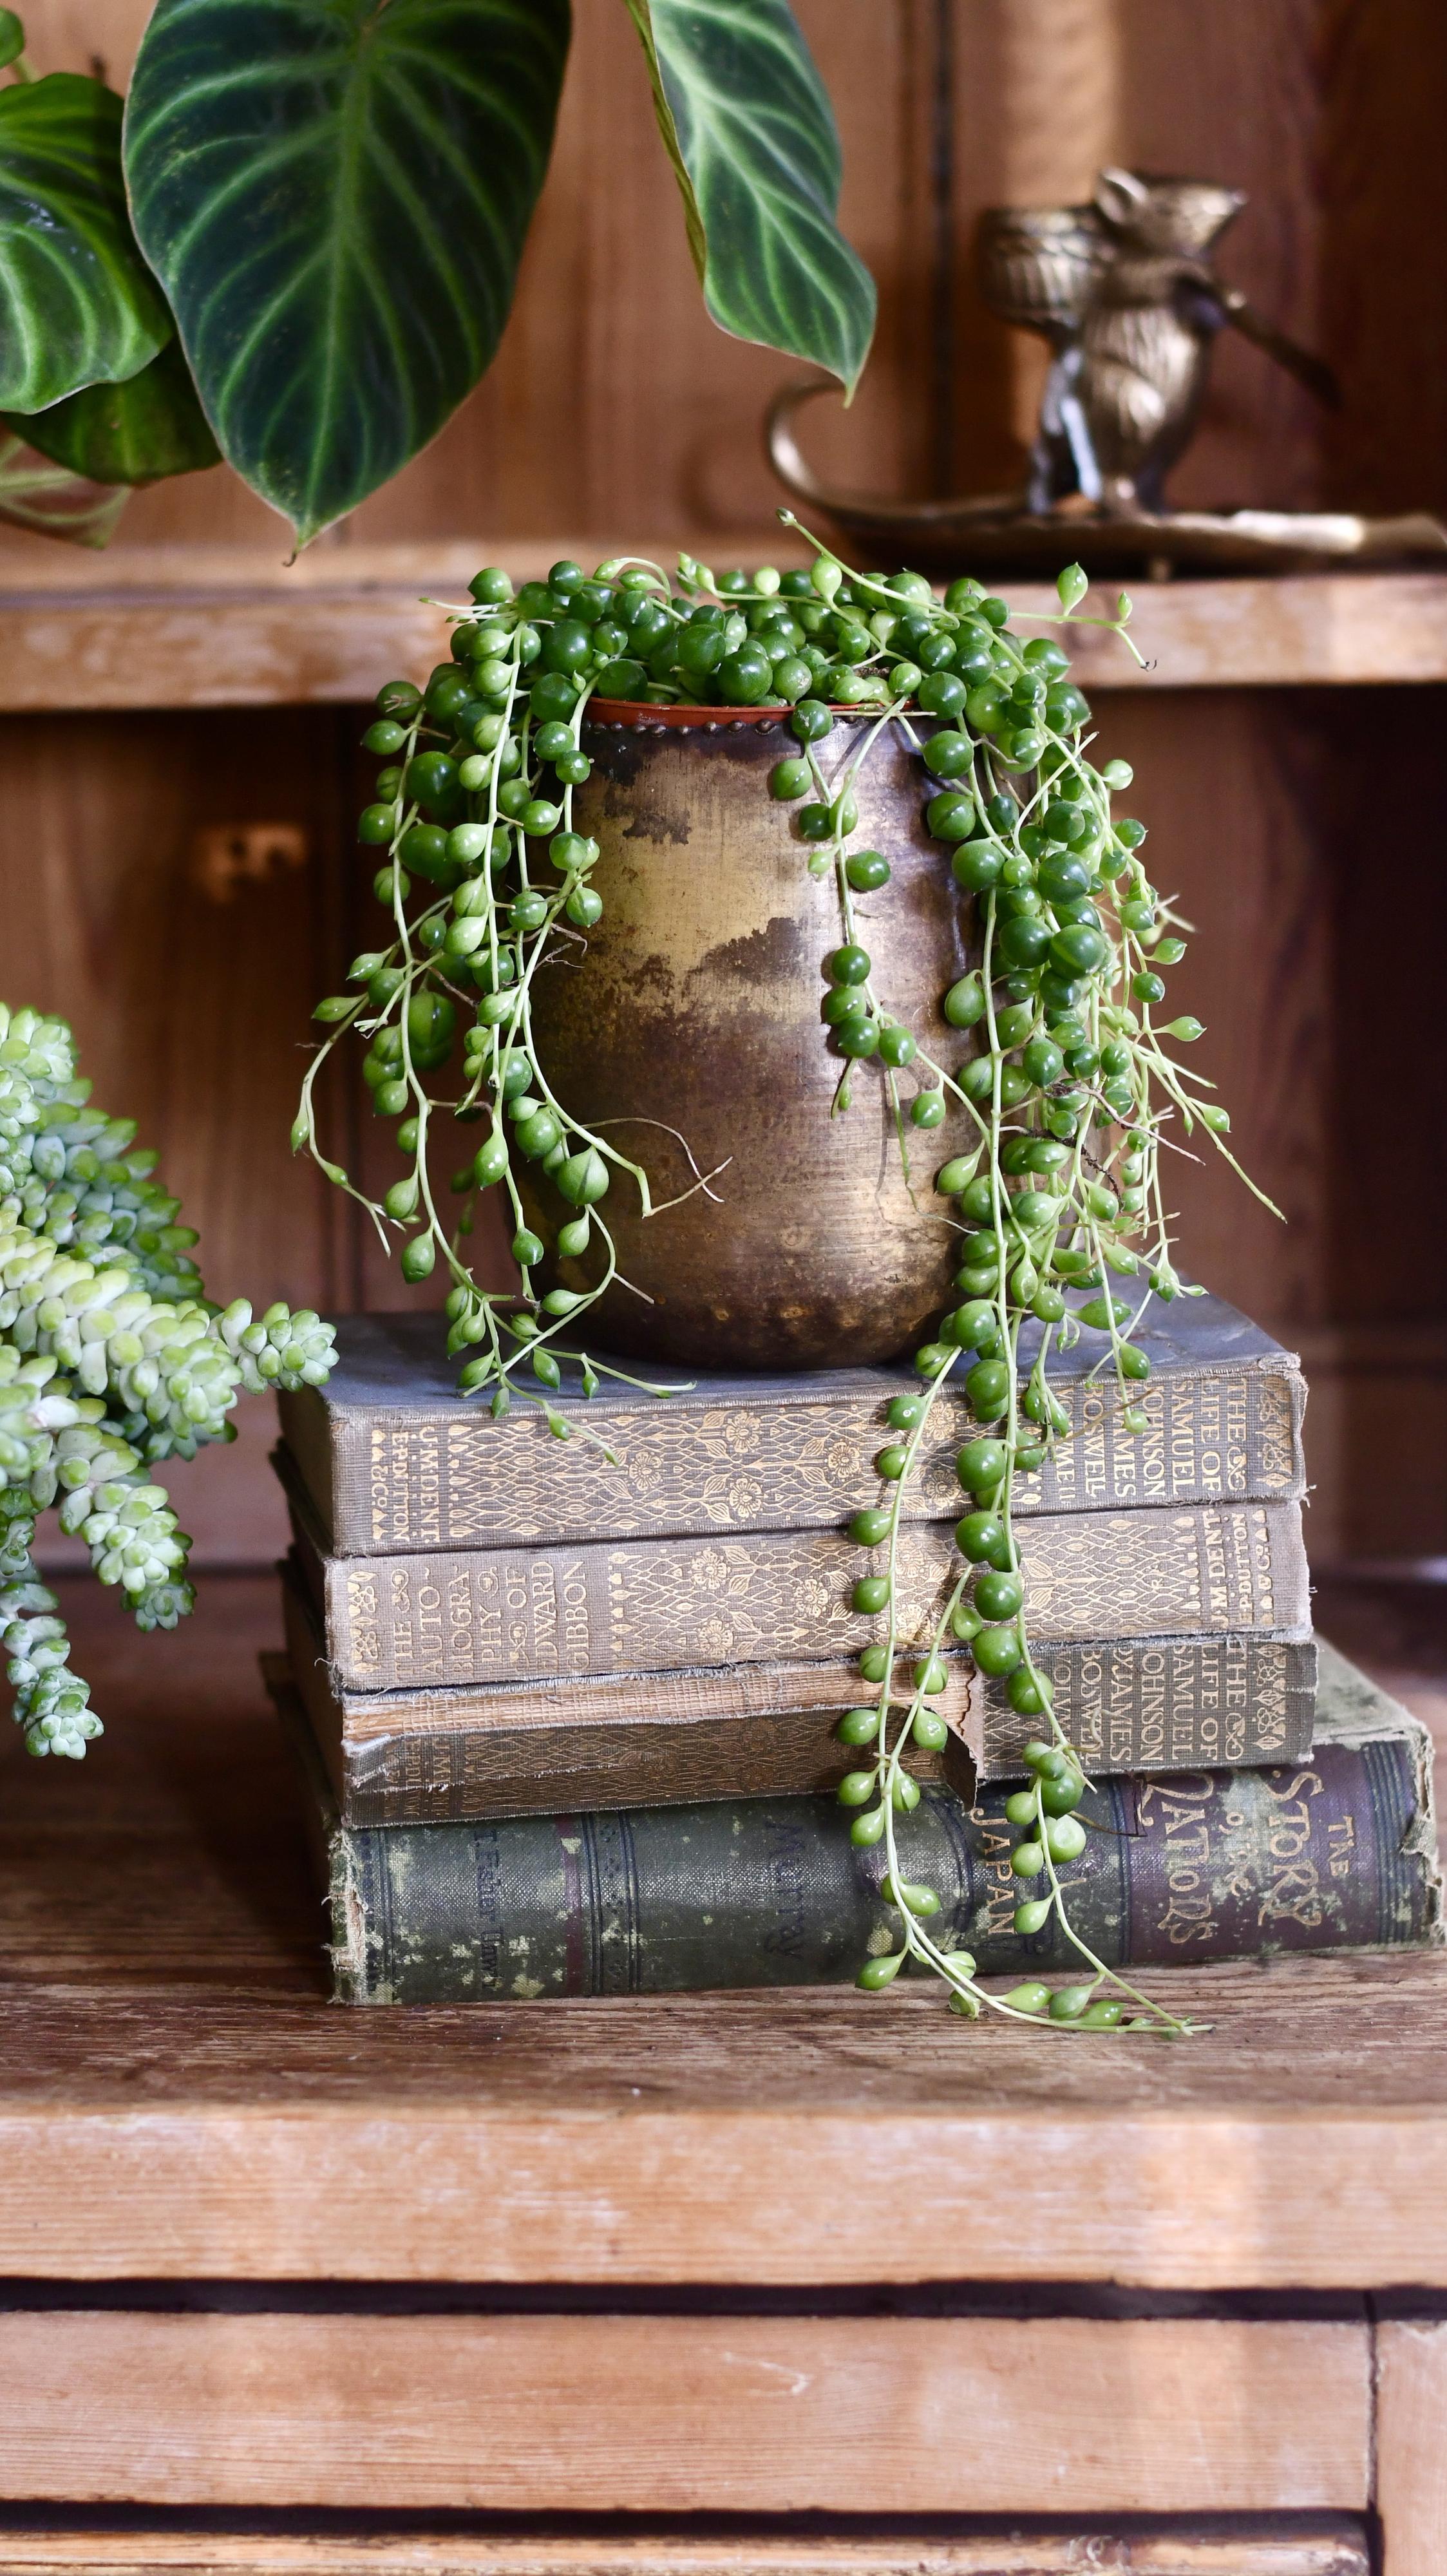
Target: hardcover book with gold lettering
<point>440,1755</point>
<point>394,1462</point>
<point>465,1616</point>
<point>488,1620</point>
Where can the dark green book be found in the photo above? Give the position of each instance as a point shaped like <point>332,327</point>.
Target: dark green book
<point>1335,1852</point>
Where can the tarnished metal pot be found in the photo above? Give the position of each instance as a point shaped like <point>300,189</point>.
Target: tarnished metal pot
<point>694,1019</point>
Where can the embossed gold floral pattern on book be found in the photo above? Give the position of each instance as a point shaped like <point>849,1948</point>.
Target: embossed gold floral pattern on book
<point>424,1621</point>
<point>756,1730</point>
<point>387,1475</point>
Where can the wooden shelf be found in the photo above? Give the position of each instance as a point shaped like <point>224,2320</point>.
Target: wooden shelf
<point>1331,2546</point>
<point>698,2241</point>
<point>183,2124</point>
<point>181,2099</point>
<point>203,626</point>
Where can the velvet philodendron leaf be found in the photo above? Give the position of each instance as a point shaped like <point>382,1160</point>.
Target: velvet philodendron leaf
<point>335,196</point>
<point>749,129</point>
<point>53,502</point>
<point>150,426</point>
<point>78,305</point>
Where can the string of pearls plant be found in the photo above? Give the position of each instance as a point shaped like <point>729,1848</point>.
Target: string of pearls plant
<point>1066,1075</point>
<point>111,1359</point>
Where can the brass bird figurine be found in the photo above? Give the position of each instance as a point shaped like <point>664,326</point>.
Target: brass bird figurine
<point>1124,291</point>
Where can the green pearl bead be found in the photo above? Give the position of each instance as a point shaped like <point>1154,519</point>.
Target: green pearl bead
<point>878,1973</point>
<point>1069,2003</point>
<point>981,1536</point>
<point>856,1788</point>
<point>865,870</point>
<point>789,779</point>
<point>858,1726</point>
<point>1065,1838</point>
<point>981,1465</point>
<point>868,1829</point>
<point>987,1385</point>
<point>964,1003</point>
<point>932,1358</point>
<point>997,1651</point>
<point>858,1037</point>
<point>999,1596</point>
<point>1060,1797</point>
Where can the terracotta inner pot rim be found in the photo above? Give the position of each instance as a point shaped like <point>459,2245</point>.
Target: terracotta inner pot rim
<point>637,715</point>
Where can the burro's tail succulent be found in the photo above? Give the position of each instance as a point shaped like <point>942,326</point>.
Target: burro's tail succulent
<point>112,1358</point>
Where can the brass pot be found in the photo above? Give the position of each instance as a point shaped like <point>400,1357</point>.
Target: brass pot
<point>692,1027</point>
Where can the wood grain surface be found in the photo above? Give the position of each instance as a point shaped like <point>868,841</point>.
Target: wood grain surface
<point>1382,181</point>
<point>1411,2466</point>
<point>209,626</point>
<point>616,410</point>
<point>169,2134</point>
<point>683,2414</point>
<point>174,2090</point>
<point>614,401</point>
<point>1338,2549</point>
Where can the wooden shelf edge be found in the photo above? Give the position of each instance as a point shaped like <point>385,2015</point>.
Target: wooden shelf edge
<point>208,626</point>
<point>1185,2549</point>
<point>266,2138</point>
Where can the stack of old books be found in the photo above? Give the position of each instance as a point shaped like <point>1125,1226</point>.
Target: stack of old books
<point>568,1707</point>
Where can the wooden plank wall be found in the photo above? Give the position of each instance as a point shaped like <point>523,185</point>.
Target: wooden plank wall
<point>615,402</point>
<point>683,2415</point>
<point>614,399</point>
